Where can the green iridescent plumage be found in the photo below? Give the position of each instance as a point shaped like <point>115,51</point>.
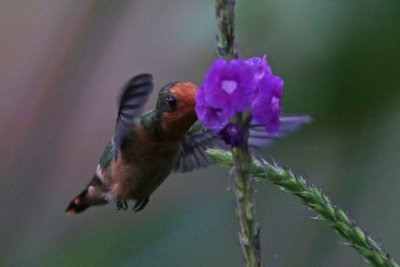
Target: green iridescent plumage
<point>108,154</point>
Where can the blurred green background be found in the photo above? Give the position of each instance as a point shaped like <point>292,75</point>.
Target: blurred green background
<point>62,66</point>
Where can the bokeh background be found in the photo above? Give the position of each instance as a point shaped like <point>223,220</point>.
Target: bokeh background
<point>61,69</point>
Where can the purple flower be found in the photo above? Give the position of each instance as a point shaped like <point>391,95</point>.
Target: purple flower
<point>211,117</point>
<point>235,86</point>
<point>262,67</point>
<point>267,107</point>
<point>232,134</point>
<point>228,86</point>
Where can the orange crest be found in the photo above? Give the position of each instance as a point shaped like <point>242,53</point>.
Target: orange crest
<point>181,119</point>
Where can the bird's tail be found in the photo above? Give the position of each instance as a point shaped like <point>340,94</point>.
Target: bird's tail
<point>91,195</point>
<point>78,204</point>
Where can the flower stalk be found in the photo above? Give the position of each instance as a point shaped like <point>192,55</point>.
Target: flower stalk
<point>226,44</point>
<point>249,235</point>
<point>316,200</point>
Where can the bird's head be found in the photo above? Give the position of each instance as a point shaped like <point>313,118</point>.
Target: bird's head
<point>175,107</point>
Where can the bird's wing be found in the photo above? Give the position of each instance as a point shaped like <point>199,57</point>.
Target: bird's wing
<point>193,154</point>
<point>200,138</point>
<point>134,95</point>
<point>259,138</point>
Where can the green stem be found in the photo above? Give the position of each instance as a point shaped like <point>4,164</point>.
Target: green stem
<point>226,44</point>
<point>317,201</point>
<point>249,235</point>
<point>249,231</point>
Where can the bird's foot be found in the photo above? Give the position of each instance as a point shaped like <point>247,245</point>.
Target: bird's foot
<point>122,204</point>
<point>140,204</point>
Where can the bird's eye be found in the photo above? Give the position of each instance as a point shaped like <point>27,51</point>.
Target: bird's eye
<point>171,101</point>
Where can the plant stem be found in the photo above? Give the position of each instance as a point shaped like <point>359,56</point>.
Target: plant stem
<point>316,200</point>
<point>244,191</point>
<point>226,44</point>
<point>249,235</point>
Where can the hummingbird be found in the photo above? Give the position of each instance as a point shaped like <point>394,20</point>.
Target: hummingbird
<point>148,146</point>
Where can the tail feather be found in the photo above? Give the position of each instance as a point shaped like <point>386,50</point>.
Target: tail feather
<point>91,195</point>
<point>78,204</point>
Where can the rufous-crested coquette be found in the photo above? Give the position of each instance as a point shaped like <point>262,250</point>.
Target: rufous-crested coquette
<point>147,147</point>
